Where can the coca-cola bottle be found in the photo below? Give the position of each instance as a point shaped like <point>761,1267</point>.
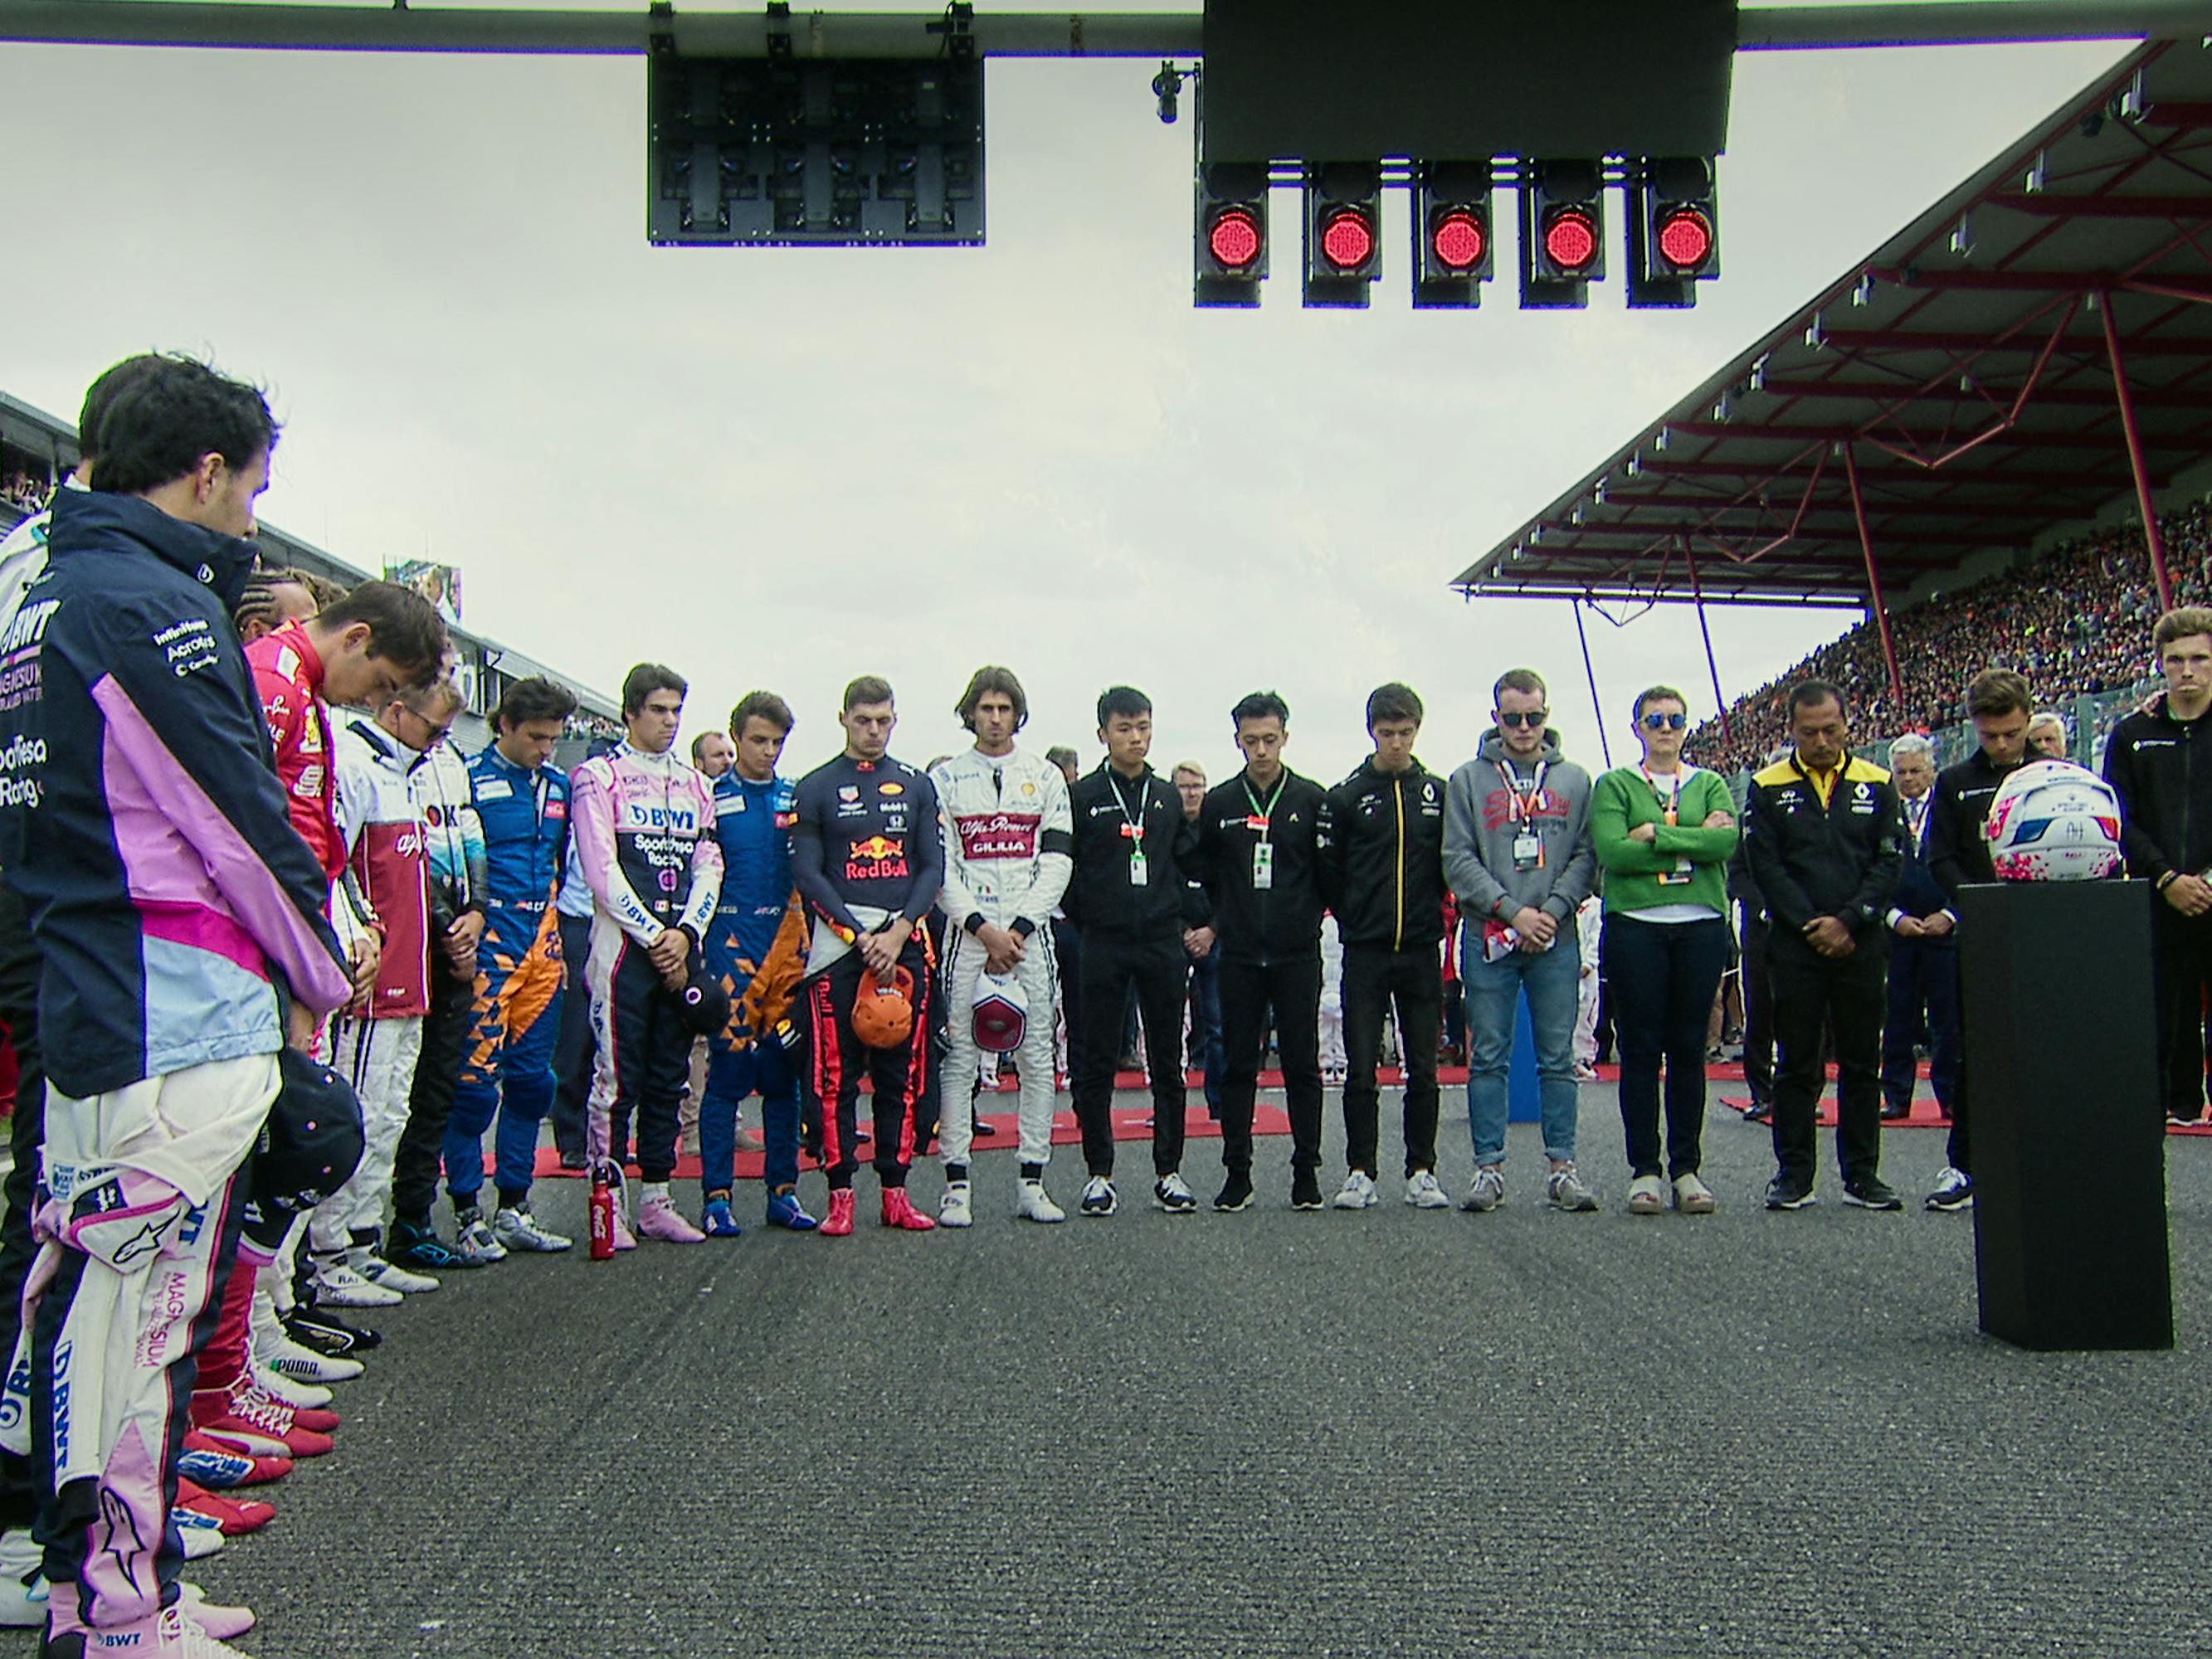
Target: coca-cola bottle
<point>603,1217</point>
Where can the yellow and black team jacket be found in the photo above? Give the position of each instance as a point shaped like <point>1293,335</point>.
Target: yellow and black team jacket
<point>1834,852</point>
<point>1382,857</point>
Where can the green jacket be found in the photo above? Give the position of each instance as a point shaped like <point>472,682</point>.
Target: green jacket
<point>1623,798</point>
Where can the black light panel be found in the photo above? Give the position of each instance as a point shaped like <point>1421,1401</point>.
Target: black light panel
<point>1309,78</point>
<point>835,153</point>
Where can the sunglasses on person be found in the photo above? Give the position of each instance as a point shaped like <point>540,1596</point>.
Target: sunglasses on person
<point>1658,722</point>
<point>1527,721</point>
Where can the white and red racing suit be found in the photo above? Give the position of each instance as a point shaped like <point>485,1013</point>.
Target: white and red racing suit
<point>644,827</point>
<point>376,1047</point>
<point>1008,854</point>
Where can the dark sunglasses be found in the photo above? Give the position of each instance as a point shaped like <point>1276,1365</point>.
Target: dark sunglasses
<point>1529,721</point>
<point>1665,722</point>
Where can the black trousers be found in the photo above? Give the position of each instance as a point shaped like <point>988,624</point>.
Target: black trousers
<point>575,1053</point>
<point>1758,1009</point>
<point>1845,998</point>
<point>1664,977</point>
<point>839,1059</point>
<point>1251,992</point>
<point>419,1161</point>
<point>27,1135</point>
<point>2183,966</point>
<point>1156,971</point>
<point>1067,951</point>
<point>1376,980</point>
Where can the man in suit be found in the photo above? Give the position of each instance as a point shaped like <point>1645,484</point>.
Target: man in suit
<point>1924,952</point>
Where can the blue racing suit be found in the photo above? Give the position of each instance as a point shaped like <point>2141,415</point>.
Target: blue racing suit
<point>506,1061</point>
<point>755,949</point>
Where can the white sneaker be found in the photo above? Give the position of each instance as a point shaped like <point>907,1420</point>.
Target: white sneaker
<point>1486,1191</point>
<point>1424,1192</point>
<point>1358,1193</point>
<point>1033,1203</point>
<point>1099,1197</point>
<point>201,1538</point>
<point>953,1209</point>
<point>391,1276</point>
<point>283,1356</point>
<point>517,1230</point>
<point>22,1591</point>
<point>292,1391</point>
<point>338,1285</point>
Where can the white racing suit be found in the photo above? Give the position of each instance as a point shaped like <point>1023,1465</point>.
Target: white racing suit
<point>1008,855</point>
<point>376,1048</point>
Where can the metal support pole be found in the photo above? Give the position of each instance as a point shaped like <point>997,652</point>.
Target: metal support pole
<point>1597,708</point>
<point>2153,538</point>
<point>1712,665</point>
<point>1873,582</point>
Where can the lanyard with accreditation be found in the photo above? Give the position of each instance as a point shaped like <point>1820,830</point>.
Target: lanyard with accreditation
<point>1670,806</point>
<point>1263,850</point>
<point>1521,803</point>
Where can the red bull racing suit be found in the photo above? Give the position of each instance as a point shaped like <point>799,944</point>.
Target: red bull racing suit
<point>865,850</point>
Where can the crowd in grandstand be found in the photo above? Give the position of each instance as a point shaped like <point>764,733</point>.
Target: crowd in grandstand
<point>25,491</point>
<point>276,959</point>
<point>2074,622</point>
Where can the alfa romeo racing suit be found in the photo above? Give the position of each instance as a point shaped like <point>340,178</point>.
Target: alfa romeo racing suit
<point>755,949</point>
<point>642,824</point>
<point>376,1050</point>
<point>866,848</point>
<point>506,1062</point>
<point>1008,854</point>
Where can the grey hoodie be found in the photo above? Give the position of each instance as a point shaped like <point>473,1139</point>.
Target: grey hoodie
<point>1479,830</point>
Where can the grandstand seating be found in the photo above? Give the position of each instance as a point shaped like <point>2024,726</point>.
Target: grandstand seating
<point>2076,621</point>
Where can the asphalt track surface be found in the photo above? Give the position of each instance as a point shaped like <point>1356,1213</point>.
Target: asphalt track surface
<point>1272,1433</point>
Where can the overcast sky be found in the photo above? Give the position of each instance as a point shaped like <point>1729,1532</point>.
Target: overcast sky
<point>783,468</point>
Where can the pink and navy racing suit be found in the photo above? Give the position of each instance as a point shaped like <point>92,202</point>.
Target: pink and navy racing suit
<point>645,830</point>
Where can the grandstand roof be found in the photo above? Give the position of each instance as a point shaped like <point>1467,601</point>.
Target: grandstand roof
<point>53,440</point>
<point>1962,370</point>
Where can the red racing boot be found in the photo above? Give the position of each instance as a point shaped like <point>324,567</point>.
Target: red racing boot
<point>840,1222</point>
<point>899,1211</point>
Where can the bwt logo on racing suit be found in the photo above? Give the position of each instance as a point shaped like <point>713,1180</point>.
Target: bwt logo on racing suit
<point>673,820</point>
<point>998,835</point>
<point>878,858</point>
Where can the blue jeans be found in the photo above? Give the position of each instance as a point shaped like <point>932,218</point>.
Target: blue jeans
<point>1553,980</point>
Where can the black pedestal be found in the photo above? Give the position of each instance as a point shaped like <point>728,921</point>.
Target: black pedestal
<point>2068,1128</point>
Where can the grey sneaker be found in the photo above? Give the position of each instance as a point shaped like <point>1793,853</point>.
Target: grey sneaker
<point>1424,1192</point>
<point>1566,1190</point>
<point>1487,1190</point>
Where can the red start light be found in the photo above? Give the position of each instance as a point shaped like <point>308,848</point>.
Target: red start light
<point>1235,239</point>
<point>1459,241</point>
<point>1685,238</point>
<point>1571,240</point>
<point>1347,241</point>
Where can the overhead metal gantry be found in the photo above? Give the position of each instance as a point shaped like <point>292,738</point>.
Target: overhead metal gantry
<point>432,27</point>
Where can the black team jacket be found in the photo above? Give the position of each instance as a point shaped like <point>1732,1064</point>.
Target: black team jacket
<point>1105,808</point>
